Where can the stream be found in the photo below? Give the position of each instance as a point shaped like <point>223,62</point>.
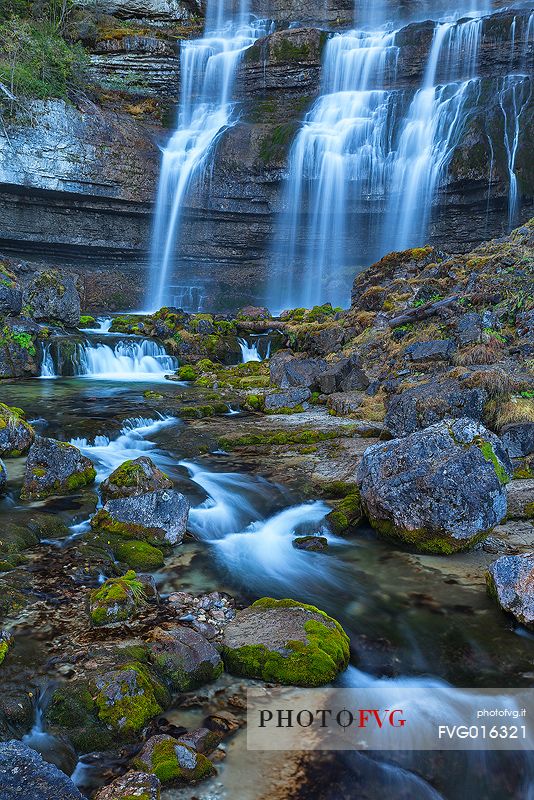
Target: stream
<point>410,617</point>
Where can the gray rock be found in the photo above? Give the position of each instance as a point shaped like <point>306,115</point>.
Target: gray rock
<point>287,370</point>
<point>344,376</point>
<point>518,439</point>
<point>287,399</point>
<point>133,784</point>
<point>203,740</point>
<point>3,477</point>
<point>25,776</point>
<point>10,300</point>
<point>52,296</point>
<point>133,478</point>
<point>184,657</point>
<point>520,496</point>
<point>55,468</point>
<point>17,350</point>
<point>510,580</point>
<point>429,403</point>
<point>468,328</point>
<point>182,761</point>
<point>439,489</point>
<point>437,350</point>
<point>160,515</point>
<point>314,544</point>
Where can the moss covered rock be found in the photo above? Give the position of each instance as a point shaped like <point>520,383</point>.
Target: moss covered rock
<point>53,296</point>
<point>3,478</point>
<point>55,468</point>
<point>286,642</point>
<point>16,435</point>
<point>134,477</point>
<point>171,761</point>
<point>137,554</point>
<point>440,490</point>
<point>116,600</point>
<point>6,643</point>
<point>157,517</point>
<point>127,698</point>
<point>184,657</point>
<point>132,786</point>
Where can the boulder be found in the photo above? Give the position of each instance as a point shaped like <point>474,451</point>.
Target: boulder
<point>314,544</point>
<point>468,328</point>
<point>520,496</point>
<point>291,398</point>
<point>17,350</point>
<point>253,312</point>
<point>510,580</point>
<point>119,598</point>
<point>437,350</point>
<point>127,698</point>
<point>16,435</point>
<point>431,402</point>
<point>55,468</point>
<point>133,786</point>
<point>171,760</point>
<point>24,775</point>
<point>286,642</point>
<point>10,300</point>
<point>518,439</point>
<point>3,477</point>
<point>287,370</point>
<point>133,478</point>
<point>53,297</point>
<point>203,740</point>
<point>345,375</point>
<point>440,490</point>
<point>155,516</point>
<point>184,657</point>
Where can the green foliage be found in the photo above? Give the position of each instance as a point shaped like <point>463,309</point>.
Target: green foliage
<point>36,62</point>
<point>23,340</point>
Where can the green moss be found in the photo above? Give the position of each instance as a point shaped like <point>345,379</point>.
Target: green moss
<point>166,766</point>
<point>72,709</point>
<point>286,50</point>
<point>116,599</point>
<point>298,409</point>
<point>529,511</point>
<point>135,703</point>
<point>130,530</point>
<point>138,555</point>
<point>287,437</point>
<point>86,321</point>
<point>4,648</point>
<point>187,373</point>
<point>311,663</point>
<point>489,455</point>
<point>425,541</point>
<point>523,472</point>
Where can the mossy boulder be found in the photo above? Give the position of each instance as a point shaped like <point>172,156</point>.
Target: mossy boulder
<point>173,761</point>
<point>347,514</point>
<point>6,643</point>
<point>53,296</point>
<point>134,477</point>
<point>440,490</point>
<point>313,544</point>
<point>87,321</point>
<point>137,554</point>
<point>134,785</point>
<point>286,642</point>
<point>55,468</point>
<point>128,698</point>
<point>184,657</point>
<point>3,478</point>
<point>16,435</point>
<point>72,711</point>
<point>156,517</point>
<point>510,581</point>
<point>116,600</point>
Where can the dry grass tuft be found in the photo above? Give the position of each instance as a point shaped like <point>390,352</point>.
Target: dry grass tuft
<point>483,353</point>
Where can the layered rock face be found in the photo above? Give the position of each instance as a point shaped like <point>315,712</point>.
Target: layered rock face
<point>77,185</point>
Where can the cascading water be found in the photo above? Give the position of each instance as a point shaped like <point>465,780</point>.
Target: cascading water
<point>366,165</point>
<point>130,361</point>
<point>208,68</point>
<point>48,369</point>
<point>250,351</point>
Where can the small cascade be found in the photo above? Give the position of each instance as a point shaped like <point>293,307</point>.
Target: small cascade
<point>130,361</point>
<point>48,369</point>
<point>189,298</point>
<point>104,324</point>
<point>515,92</point>
<point>250,351</point>
<point>208,67</point>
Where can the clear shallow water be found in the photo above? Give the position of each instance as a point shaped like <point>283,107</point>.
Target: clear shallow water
<point>409,617</point>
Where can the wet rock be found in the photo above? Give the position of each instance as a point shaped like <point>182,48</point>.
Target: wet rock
<point>344,376</point>
<point>208,614</point>
<point>289,399</point>
<point>347,514</point>
<point>468,328</point>
<point>132,786</point>
<point>10,300</point>
<point>438,350</point>
<point>323,342</point>
<point>156,516</point>
<point>429,403</point>
<point>16,435</point>
<point>53,297</point>
<point>17,350</point>
<point>510,580</point>
<point>314,544</point>
<point>518,439</point>
<point>55,468</point>
<point>171,760</point>
<point>441,489</point>
<point>128,698</point>
<point>253,312</point>
<point>287,370</point>
<point>184,657</point>
<point>3,477</point>
<point>286,642</point>
<point>24,775</point>
<point>133,478</point>
<point>520,495</point>
<point>203,740</point>
<point>119,598</point>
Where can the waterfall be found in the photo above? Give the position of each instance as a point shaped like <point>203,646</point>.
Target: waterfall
<point>208,67</point>
<point>251,351</point>
<point>514,95</point>
<point>47,363</point>
<point>129,361</point>
<point>104,324</point>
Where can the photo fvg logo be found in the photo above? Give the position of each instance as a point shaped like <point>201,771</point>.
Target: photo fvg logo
<point>361,718</point>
